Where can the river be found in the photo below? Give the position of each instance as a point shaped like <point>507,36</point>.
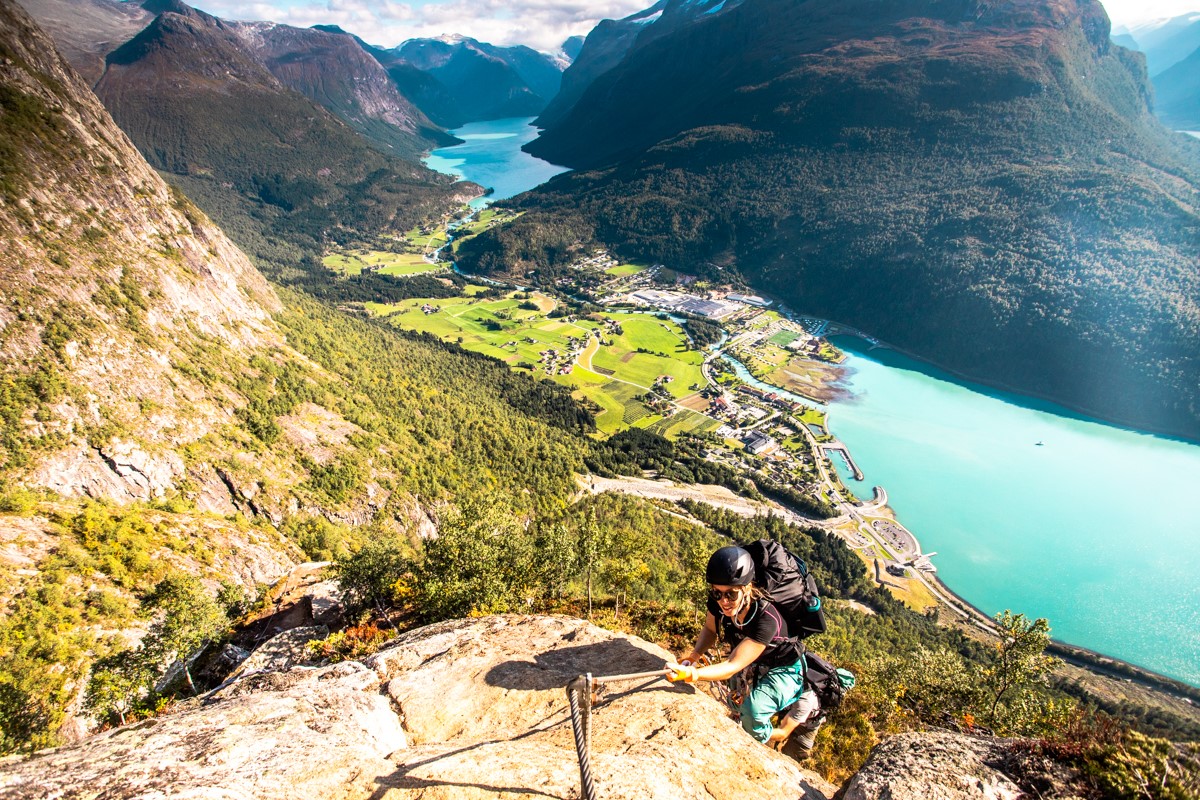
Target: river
<point>1093,529</point>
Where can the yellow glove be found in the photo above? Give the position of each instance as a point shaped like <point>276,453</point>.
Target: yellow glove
<point>680,672</point>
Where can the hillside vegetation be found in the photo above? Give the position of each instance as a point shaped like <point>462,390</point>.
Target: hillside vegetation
<point>146,364</point>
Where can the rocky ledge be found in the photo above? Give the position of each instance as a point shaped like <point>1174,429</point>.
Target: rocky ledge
<point>463,709</point>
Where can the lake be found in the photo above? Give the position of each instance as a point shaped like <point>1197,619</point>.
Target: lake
<point>1092,530</point>
<point>491,156</point>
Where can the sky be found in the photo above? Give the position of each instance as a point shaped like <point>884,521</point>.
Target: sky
<point>541,24</point>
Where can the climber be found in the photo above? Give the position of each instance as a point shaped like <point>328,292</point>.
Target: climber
<point>767,666</point>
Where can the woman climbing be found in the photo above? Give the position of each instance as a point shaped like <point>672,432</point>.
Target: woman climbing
<point>767,664</point>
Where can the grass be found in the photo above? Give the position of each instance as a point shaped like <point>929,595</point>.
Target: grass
<point>784,338</point>
<point>399,264</point>
<point>487,218</point>
<point>626,270</point>
<point>430,240</point>
<point>519,337</point>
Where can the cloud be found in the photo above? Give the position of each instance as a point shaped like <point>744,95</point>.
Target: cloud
<point>541,24</point>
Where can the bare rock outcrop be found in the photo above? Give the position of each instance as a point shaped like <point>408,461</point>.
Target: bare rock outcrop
<point>934,766</point>
<point>463,709</point>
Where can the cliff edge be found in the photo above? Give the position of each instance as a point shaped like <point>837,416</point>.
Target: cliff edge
<point>464,709</point>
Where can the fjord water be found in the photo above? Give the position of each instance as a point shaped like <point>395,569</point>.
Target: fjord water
<point>491,156</point>
<point>1095,529</point>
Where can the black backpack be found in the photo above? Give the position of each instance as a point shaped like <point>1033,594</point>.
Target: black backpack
<point>829,682</point>
<point>790,585</point>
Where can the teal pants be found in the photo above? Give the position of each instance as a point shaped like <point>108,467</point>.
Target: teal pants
<point>774,691</point>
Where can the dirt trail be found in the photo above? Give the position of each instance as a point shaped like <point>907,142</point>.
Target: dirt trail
<point>713,495</point>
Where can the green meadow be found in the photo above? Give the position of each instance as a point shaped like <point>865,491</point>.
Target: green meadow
<point>625,270</point>
<point>618,372</point>
<point>355,261</point>
<point>427,240</point>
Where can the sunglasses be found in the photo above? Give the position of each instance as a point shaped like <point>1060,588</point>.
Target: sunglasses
<point>724,594</point>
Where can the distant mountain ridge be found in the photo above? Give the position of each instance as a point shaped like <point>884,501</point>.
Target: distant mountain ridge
<point>458,79</point>
<point>332,70</point>
<point>1177,94</point>
<point>201,103</point>
<point>982,185</point>
<point>610,40</point>
<point>1172,51</point>
<point>329,69</point>
<point>1165,42</point>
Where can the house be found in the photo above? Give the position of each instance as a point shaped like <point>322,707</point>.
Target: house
<point>758,442</point>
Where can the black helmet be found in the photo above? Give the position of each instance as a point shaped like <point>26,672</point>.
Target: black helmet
<point>730,566</point>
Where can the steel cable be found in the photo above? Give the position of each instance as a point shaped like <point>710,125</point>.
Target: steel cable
<point>579,695</point>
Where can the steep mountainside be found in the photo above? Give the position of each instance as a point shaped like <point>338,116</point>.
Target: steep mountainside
<point>980,184</point>
<point>326,66</point>
<point>609,41</point>
<point>110,280</point>
<point>473,80</point>
<point>333,70</point>
<point>1177,94</point>
<point>85,31</point>
<point>199,104</point>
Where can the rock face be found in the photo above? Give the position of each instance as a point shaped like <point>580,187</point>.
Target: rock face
<point>463,709</point>
<point>922,766</point>
<point>110,282</point>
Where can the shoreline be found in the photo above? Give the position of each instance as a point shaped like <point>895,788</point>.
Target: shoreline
<point>1094,661</point>
<point>1085,658</point>
<point>834,328</point>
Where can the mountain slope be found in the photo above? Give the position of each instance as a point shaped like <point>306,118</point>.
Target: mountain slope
<point>147,366</point>
<point>109,279</point>
<point>198,104</point>
<point>981,185</point>
<point>85,31</point>
<point>332,70</point>
<point>611,40</point>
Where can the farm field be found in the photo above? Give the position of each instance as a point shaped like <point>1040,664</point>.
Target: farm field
<point>428,240</point>
<point>625,270</point>
<point>526,338</point>
<point>355,261</point>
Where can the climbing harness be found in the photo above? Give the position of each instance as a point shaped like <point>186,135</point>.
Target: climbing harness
<point>580,695</point>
